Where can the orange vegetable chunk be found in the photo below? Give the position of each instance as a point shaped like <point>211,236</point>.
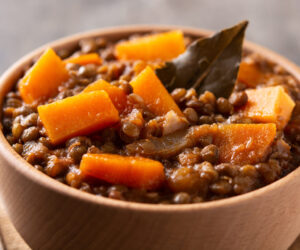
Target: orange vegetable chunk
<point>164,46</point>
<point>243,143</point>
<point>155,95</point>
<point>132,171</point>
<point>271,104</point>
<point>117,95</point>
<point>249,74</point>
<point>85,59</point>
<point>78,115</point>
<point>44,77</point>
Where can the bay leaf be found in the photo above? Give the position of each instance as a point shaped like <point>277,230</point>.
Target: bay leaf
<point>208,63</point>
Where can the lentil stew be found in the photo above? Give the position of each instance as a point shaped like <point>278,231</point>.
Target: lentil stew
<point>116,140</point>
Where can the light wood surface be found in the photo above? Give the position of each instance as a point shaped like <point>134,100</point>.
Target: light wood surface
<point>50,215</point>
<point>10,239</point>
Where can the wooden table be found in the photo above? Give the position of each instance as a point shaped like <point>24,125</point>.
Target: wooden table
<point>11,240</point>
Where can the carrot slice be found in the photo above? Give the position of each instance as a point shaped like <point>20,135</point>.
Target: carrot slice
<point>132,171</point>
<point>164,46</point>
<point>117,95</point>
<point>156,97</point>
<point>271,104</point>
<point>78,115</point>
<point>43,79</point>
<point>85,59</point>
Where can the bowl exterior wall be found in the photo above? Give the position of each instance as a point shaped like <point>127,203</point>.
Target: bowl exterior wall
<point>49,219</point>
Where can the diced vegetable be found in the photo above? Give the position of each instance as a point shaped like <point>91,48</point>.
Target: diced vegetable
<point>155,95</point>
<point>271,104</point>
<point>117,95</point>
<point>163,46</point>
<point>250,74</point>
<point>43,79</point>
<point>78,115</point>
<point>85,59</point>
<point>136,172</point>
<point>238,143</point>
<point>244,143</point>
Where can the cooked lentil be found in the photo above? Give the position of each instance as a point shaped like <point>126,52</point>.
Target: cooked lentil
<point>238,99</point>
<point>194,174</point>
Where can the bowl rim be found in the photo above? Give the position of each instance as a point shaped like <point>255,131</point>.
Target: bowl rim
<point>22,166</point>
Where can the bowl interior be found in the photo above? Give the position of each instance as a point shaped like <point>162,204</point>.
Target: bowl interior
<point>9,78</point>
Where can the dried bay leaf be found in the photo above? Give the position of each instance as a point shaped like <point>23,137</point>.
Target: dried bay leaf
<point>208,63</point>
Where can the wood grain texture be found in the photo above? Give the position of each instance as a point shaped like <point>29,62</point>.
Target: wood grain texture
<point>10,238</point>
<point>50,215</point>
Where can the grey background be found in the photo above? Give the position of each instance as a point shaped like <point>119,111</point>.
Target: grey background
<point>27,24</point>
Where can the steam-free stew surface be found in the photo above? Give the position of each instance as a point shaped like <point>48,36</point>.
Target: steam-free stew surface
<point>103,122</point>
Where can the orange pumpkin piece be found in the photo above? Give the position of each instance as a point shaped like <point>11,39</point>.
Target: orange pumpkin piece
<point>117,95</point>
<point>78,115</point>
<point>85,59</point>
<point>271,104</point>
<point>243,143</point>
<point>44,77</point>
<point>132,171</point>
<point>156,97</point>
<point>164,46</point>
<point>250,74</point>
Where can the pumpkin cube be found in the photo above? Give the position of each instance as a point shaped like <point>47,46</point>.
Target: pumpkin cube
<point>271,104</point>
<point>43,79</point>
<point>164,46</point>
<point>78,115</point>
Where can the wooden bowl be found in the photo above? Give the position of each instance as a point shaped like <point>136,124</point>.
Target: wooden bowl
<point>51,215</point>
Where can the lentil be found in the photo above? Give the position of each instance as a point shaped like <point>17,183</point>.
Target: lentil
<point>77,151</point>
<point>18,147</point>
<point>224,106</point>
<point>185,180</point>
<point>210,153</point>
<point>178,94</point>
<point>126,87</point>
<point>181,198</point>
<point>17,130</point>
<point>193,174</point>
<point>191,115</point>
<point>221,187</point>
<point>30,134</point>
<point>207,171</point>
<point>238,99</point>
